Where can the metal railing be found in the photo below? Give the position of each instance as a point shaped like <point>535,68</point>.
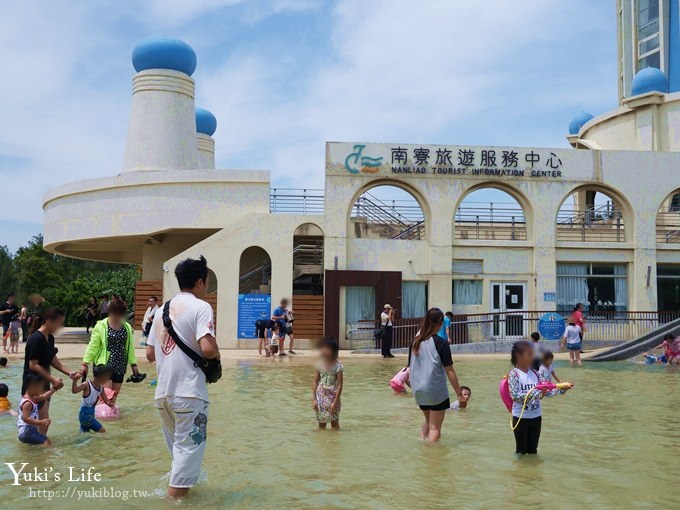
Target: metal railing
<point>668,227</point>
<point>296,201</point>
<point>490,221</point>
<point>603,223</point>
<point>512,326</point>
<point>393,219</point>
<point>254,276</point>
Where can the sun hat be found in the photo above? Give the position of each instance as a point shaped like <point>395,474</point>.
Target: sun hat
<point>387,306</point>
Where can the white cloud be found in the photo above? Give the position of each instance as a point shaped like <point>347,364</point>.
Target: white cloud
<point>385,70</point>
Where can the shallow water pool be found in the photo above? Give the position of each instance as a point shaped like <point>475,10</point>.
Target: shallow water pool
<point>613,442</point>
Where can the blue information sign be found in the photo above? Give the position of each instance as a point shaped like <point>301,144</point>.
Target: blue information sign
<point>252,307</point>
<point>551,326</point>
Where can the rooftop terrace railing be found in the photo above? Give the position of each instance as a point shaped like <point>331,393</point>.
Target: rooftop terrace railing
<point>668,227</point>
<point>296,201</point>
<point>490,221</point>
<point>603,223</point>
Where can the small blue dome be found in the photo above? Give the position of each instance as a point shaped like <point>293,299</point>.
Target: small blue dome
<point>162,52</point>
<point>206,122</point>
<point>649,79</point>
<point>577,122</point>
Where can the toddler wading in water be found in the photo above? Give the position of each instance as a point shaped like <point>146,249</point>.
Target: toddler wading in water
<point>328,386</point>
<point>92,391</point>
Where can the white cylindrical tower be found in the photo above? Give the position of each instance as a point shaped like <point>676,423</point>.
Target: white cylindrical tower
<point>206,124</point>
<point>162,131</point>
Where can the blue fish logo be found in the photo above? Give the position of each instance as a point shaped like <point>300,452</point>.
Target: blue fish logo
<point>356,162</point>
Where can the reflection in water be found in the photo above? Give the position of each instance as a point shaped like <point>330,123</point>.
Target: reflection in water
<point>611,442</point>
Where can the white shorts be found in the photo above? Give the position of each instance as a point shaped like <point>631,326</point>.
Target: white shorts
<point>184,421</point>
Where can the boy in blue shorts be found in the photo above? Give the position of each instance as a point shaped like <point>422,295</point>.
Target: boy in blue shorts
<point>28,419</point>
<point>92,390</point>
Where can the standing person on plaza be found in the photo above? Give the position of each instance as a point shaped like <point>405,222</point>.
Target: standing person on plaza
<point>91,314</point>
<point>579,319</point>
<point>23,318</point>
<point>147,321</point>
<point>431,365</point>
<point>445,332</point>
<point>112,343</point>
<point>289,328</point>
<point>279,315</point>
<point>104,307</point>
<point>182,392</point>
<point>41,356</point>
<point>386,324</point>
<point>8,310</point>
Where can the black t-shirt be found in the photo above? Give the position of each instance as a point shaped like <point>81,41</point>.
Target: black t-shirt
<point>7,317</point>
<point>39,348</point>
<point>443,349</point>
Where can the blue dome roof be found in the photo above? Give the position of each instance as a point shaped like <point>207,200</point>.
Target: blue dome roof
<point>577,122</point>
<point>649,79</point>
<point>206,122</point>
<point>162,52</point>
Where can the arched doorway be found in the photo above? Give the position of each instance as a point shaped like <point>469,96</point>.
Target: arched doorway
<point>308,260</point>
<point>308,271</point>
<point>255,271</point>
<point>211,294</point>
<point>387,212</point>
<point>668,274</point>
<point>591,215</point>
<point>254,299</point>
<point>490,214</point>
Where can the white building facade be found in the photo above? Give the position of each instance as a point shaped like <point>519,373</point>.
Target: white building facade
<point>598,224</point>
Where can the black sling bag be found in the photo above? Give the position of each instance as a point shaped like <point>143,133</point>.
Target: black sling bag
<point>212,368</point>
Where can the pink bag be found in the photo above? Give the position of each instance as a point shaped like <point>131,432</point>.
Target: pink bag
<point>504,390</point>
<point>398,382</point>
<point>104,412</point>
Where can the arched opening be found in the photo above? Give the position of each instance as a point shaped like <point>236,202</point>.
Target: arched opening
<point>308,260</point>
<point>490,214</point>
<point>668,220</point>
<point>255,271</point>
<point>211,294</point>
<point>308,300</point>
<point>668,274</point>
<point>387,212</point>
<point>590,215</point>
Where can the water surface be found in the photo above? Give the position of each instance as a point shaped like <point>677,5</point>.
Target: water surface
<point>613,442</point>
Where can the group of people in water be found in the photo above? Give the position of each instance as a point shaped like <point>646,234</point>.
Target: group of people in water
<point>110,350</point>
<point>181,396</point>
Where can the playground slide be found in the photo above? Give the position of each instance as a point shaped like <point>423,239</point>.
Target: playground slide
<point>641,344</point>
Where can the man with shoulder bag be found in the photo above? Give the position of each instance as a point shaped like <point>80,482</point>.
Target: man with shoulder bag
<point>182,343</point>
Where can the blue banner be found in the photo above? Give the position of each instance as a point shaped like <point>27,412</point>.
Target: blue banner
<point>551,326</point>
<point>252,307</point>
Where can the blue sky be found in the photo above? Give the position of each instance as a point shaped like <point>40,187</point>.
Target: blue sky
<point>284,76</point>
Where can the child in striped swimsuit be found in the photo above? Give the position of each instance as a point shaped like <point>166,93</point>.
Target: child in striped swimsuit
<point>92,391</point>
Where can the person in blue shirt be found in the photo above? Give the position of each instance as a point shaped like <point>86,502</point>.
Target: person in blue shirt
<point>279,315</point>
<point>444,333</point>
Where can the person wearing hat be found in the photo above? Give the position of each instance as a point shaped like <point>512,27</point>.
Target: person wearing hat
<point>386,321</point>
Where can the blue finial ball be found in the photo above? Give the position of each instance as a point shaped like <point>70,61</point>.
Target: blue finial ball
<point>577,122</point>
<point>206,122</point>
<point>649,79</point>
<point>162,52</point>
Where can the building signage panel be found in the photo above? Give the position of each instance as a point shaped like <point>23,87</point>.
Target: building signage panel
<point>252,307</point>
<point>442,160</point>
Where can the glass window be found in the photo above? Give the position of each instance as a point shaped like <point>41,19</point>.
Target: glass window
<point>359,304</point>
<point>668,288</point>
<point>650,44</point>
<point>600,287</point>
<point>467,292</point>
<point>413,300</point>
<point>653,60</point>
